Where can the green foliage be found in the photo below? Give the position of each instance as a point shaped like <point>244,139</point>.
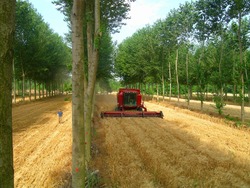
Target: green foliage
<point>212,33</point>
<point>237,122</point>
<point>115,85</point>
<point>92,179</point>
<point>68,86</point>
<point>67,99</point>
<point>113,12</point>
<point>40,54</point>
<point>239,99</point>
<point>112,15</point>
<point>138,58</point>
<point>106,56</point>
<point>109,85</point>
<point>105,85</point>
<point>219,104</point>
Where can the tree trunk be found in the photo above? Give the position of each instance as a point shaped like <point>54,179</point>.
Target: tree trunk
<point>14,83</point>
<point>187,77</point>
<point>249,94</point>
<point>78,133</point>
<point>7,24</point>
<point>162,77</point>
<point>52,88</point>
<point>163,88</point>
<point>226,91</point>
<point>49,86</point>
<point>220,76</point>
<point>46,90</point>
<point>39,91</point>
<point>43,90</point>
<point>87,97</point>
<point>241,73</point>
<point>170,78</point>
<point>157,92</point>
<point>235,92</point>
<point>23,85</point>
<point>234,82</point>
<point>247,78</point>
<point>34,89</point>
<point>191,91</point>
<point>62,88</point>
<point>18,88</point>
<point>93,41</point>
<point>29,90</point>
<point>200,77</point>
<point>177,76</point>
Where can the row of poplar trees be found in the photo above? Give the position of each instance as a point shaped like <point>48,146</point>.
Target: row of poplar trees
<point>30,54</point>
<point>91,23</point>
<point>201,44</point>
<point>41,57</point>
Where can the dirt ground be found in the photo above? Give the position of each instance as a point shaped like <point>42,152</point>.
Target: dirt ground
<point>184,149</point>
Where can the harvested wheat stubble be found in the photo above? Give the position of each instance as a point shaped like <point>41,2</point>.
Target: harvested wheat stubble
<point>181,150</point>
<point>42,147</point>
<point>185,149</point>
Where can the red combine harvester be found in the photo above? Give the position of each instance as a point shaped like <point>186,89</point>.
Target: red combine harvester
<point>129,104</point>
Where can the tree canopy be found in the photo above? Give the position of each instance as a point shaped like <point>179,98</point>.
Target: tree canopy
<point>202,45</point>
<point>40,54</point>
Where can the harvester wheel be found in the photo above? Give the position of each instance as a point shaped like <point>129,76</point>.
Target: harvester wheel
<point>161,114</point>
<point>139,109</point>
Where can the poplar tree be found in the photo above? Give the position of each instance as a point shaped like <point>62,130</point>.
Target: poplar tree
<point>7,23</point>
<point>237,10</point>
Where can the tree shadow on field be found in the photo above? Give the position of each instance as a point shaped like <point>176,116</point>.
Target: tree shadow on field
<point>210,162</point>
<point>61,179</point>
<point>175,152</point>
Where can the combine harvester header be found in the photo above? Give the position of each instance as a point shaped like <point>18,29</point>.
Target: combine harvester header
<point>129,104</point>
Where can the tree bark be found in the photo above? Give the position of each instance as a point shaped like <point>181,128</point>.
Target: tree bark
<point>93,41</point>
<point>7,24</point>
<point>220,76</point>
<point>163,77</point>
<point>157,92</point>
<point>233,77</point>
<point>177,76</point>
<point>43,89</point>
<point>247,78</point>
<point>187,77</point>
<point>200,77</point>
<point>34,89</point>
<point>78,144</point>
<point>163,87</point>
<point>23,85</point>
<point>170,78</point>
<point>29,90</point>
<point>39,90</point>
<point>241,73</point>
<point>14,83</point>
<point>87,97</point>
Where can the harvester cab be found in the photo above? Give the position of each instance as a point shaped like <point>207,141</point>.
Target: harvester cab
<point>130,104</point>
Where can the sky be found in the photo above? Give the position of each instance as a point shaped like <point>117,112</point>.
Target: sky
<point>51,15</point>
<point>143,12</point>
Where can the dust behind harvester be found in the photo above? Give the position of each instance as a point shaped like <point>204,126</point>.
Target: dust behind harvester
<point>129,104</point>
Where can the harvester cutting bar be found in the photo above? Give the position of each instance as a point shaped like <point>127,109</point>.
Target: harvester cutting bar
<point>131,114</point>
